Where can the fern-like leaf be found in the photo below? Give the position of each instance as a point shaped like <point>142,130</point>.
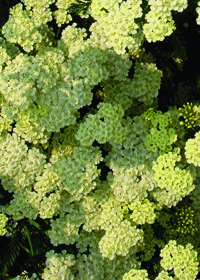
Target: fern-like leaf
<point>79,6</point>
<point>13,249</point>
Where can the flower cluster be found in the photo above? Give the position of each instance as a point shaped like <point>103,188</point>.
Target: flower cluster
<point>141,212</point>
<point>135,274</point>
<point>74,38</point>
<point>164,275</point>
<point>192,150</point>
<point>65,229</point>
<point>119,240</point>
<point>159,19</point>
<point>25,204</point>
<point>59,266</point>
<point>173,182</point>
<point>131,177</point>
<point>115,26</point>
<point>61,15</point>
<point>25,83</point>
<point>119,235</point>
<point>39,11</point>
<point>21,29</point>
<point>5,125</point>
<point>161,136</point>
<point>8,52</point>
<point>182,260</point>
<point>19,165</point>
<point>105,126</point>
<point>142,89</point>
<point>147,79</point>
<point>78,172</point>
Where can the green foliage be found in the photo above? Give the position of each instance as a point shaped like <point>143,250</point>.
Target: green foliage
<point>26,243</point>
<point>79,7</point>
<point>12,251</point>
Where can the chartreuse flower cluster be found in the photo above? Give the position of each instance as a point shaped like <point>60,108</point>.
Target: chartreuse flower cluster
<point>59,266</point>
<point>140,212</point>
<point>146,82</point>
<point>53,155</point>
<point>134,274</point>
<point>192,150</point>
<point>25,83</point>
<point>173,182</point>
<point>131,178</point>
<point>182,260</point>
<point>8,52</point>
<point>115,25</point>
<point>19,165</point>
<point>159,19</point>
<point>23,29</point>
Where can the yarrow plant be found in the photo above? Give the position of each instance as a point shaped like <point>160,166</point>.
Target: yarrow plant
<point>84,146</point>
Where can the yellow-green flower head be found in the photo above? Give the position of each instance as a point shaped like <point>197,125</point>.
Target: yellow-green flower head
<point>184,221</point>
<point>190,114</point>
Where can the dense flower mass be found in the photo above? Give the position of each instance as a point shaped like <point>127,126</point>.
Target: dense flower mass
<point>115,26</point>
<point>182,260</point>
<point>84,148</point>
<point>24,30</point>
<point>159,19</point>
<point>161,136</point>
<point>173,183</point>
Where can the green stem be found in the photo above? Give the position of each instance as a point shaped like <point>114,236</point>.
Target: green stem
<point>34,224</point>
<point>29,240</point>
<point>58,32</point>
